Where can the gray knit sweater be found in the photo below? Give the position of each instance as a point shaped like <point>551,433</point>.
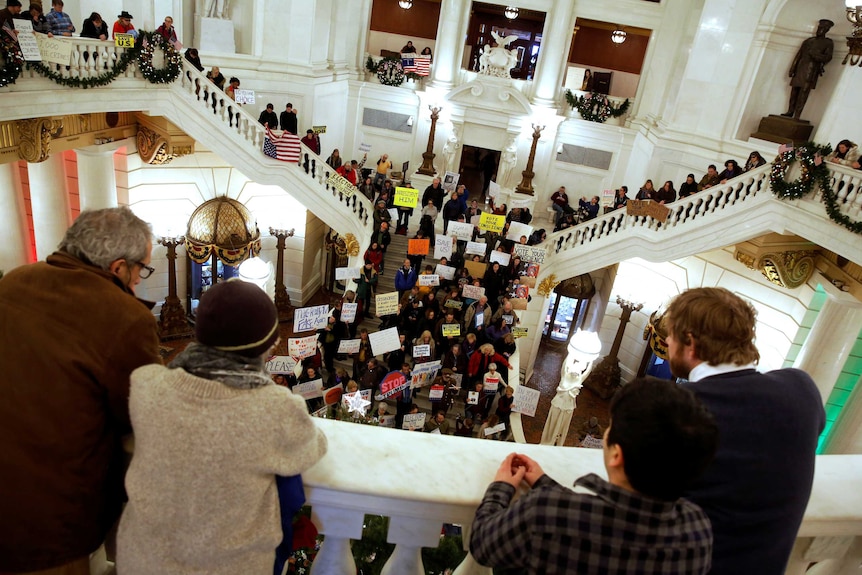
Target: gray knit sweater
<point>201,485</point>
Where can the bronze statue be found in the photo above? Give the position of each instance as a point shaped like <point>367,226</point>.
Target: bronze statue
<point>807,66</point>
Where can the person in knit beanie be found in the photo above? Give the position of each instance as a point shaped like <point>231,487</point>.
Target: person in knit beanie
<point>212,433</point>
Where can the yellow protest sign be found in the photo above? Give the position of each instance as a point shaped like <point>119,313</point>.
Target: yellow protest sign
<point>491,223</point>
<point>451,330</point>
<point>406,197</point>
<point>341,184</point>
<point>124,41</point>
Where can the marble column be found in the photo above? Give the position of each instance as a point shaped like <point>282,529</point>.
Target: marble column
<point>450,42</point>
<point>829,342</point>
<point>845,437</point>
<point>13,220</point>
<point>97,181</point>
<point>556,40</point>
<point>49,199</point>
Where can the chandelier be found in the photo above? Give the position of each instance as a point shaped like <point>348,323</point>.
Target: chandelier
<point>406,4</point>
<point>618,36</point>
<point>511,12</point>
<point>854,41</point>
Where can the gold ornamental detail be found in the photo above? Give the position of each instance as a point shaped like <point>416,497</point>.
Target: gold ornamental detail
<point>34,138</point>
<point>547,285</point>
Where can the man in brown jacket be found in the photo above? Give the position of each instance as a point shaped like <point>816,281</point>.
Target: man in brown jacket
<point>72,332</point>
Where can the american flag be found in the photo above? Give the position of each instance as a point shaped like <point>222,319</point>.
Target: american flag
<point>420,65</point>
<point>286,147</point>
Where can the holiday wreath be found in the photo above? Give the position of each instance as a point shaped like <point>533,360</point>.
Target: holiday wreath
<point>596,107</point>
<point>13,61</point>
<point>390,72</point>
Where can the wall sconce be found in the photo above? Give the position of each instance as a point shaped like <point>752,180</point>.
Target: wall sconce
<point>405,4</point>
<point>854,41</point>
<point>511,12</point>
<point>618,36</point>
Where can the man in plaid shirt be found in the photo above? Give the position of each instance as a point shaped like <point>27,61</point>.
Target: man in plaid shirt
<point>659,442</point>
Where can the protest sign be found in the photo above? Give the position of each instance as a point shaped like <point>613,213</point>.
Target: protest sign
<point>517,230</point>
<point>445,272</point>
<point>27,41</point>
<point>450,181</point>
<point>333,395</point>
<point>508,318</point>
<point>500,427</point>
<point>384,341</point>
<point>283,364</point>
<point>519,332</point>
<point>386,421</point>
<point>310,318</point>
<point>320,412</point>
<point>592,443</point>
<point>493,189</point>
<point>520,203</point>
<point>422,350</point>
<point>473,398</point>
<point>476,269</point>
<point>519,303</point>
<point>302,347</point>
<point>424,373</point>
<point>309,389</point>
<point>500,257</point>
<point>442,247</point>
<point>364,148</point>
<point>56,50</point>
<point>451,329</point>
<point>318,129</point>
<point>474,221</point>
<point>124,41</point>
<point>406,197</point>
<point>480,318</point>
<point>341,184</point>
<point>393,213</point>
<point>348,346</point>
<point>428,280</point>
<point>418,247</point>
<point>472,292</point>
<point>491,223</point>
<point>533,254</point>
<point>477,248</point>
<point>460,230</point>
<point>244,96</point>
<point>454,304</point>
<point>436,392</point>
<point>649,208</point>
<point>348,312</point>
<point>387,303</point>
<point>347,273</point>
<point>393,383</point>
<point>525,400</point>
<point>413,421</point>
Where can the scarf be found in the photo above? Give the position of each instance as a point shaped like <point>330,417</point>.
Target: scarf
<point>232,369</point>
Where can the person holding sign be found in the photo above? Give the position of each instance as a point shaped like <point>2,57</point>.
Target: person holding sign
<point>658,444</point>
<point>7,14</point>
<point>215,418</point>
<point>124,25</point>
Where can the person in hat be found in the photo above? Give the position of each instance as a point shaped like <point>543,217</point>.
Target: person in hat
<point>124,25</point>
<point>7,14</point>
<point>212,432</point>
<point>312,140</point>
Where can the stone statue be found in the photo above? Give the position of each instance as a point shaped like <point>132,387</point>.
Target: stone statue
<point>449,151</point>
<point>496,60</point>
<point>508,159</point>
<point>807,66</point>
<point>564,403</point>
<point>217,9</point>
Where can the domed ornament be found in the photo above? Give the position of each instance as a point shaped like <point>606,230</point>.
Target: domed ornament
<point>224,226</point>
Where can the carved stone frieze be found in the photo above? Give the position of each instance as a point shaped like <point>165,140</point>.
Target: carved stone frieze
<point>787,269</point>
<point>34,138</point>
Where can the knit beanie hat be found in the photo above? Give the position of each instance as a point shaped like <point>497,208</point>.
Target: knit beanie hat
<point>238,317</point>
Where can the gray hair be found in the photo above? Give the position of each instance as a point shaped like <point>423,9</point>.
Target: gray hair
<point>100,237</point>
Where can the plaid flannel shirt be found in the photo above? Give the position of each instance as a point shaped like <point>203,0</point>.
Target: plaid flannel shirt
<point>554,530</point>
<point>60,22</point>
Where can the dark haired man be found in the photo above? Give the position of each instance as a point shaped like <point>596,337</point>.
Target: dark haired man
<point>288,119</point>
<point>7,14</point>
<point>756,490</point>
<point>709,179</point>
<point>268,118</point>
<point>659,441</point>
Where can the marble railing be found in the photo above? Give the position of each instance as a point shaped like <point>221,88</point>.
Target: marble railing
<point>206,114</point>
<point>422,481</point>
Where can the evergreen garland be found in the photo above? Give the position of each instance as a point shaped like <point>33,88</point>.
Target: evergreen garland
<point>104,79</point>
<point>13,60</point>
<point>810,156</point>
<point>833,210</point>
<point>596,107</point>
<point>390,72</point>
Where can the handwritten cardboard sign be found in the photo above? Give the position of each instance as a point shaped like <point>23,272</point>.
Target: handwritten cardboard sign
<point>341,184</point>
<point>406,197</point>
<point>525,400</point>
<point>413,421</point>
<point>302,347</point>
<point>310,318</point>
<point>56,50</point>
<point>649,208</point>
<point>283,364</point>
<point>348,346</point>
<point>477,248</point>
<point>428,280</point>
<point>244,96</point>
<point>533,254</point>
<point>472,292</point>
<point>517,230</point>
<point>346,273</point>
<point>309,389</point>
<point>387,303</point>
<point>445,272</point>
<point>460,230</point>
<point>451,329</point>
<point>500,427</point>
<point>491,223</point>
<point>476,269</point>
<point>384,341</point>
<point>442,247</point>
<point>501,257</point>
<point>418,247</point>
<point>27,41</point>
<point>348,312</point>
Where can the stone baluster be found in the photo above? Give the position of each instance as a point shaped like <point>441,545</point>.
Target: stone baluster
<point>410,534</point>
<point>339,525</point>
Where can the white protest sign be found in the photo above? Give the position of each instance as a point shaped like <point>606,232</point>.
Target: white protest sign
<point>442,247</point>
<point>460,230</point>
<point>445,272</point>
<point>526,400</point>
<point>54,50</point>
<point>302,346</point>
<point>532,254</point>
<point>384,341</point>
<point>500,257</point>
<point>363,147</point>
<point>283,364</point>
<point>424,373</point>
<point>428,280</point>
<point>393,213</point>
<point>592,443</point>
<point>346,273</point>
<point>520,203</point>
<point>341,184</point>
<point>450,181</point>
<point>320,412</point>
<point>473,397</point>
<point>310,318</point>
<point>436,392</point>
<point>27,41</point>
<point>472,292</point>
<point>477,248</point>
<point>386,421</point>
<point>493,189</point>
<point>500,427</point>
<point>480,318</point>
<point>387,303</point>
<point>244,96</point>
<point>413,421</point>
<point>309,389</point>
<point>422,350</point>
<point>348,346</point>
<point>348,312</point>
<point>517,230</point>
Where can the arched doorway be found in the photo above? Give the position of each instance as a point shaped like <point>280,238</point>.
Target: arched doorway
<point>567,308</point>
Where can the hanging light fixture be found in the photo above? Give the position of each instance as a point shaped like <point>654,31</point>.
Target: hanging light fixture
<point>511,12</point>
<point>405,4</point>
<point>618,36</point>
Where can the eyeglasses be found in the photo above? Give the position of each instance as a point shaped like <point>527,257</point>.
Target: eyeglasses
<point>146,271</point>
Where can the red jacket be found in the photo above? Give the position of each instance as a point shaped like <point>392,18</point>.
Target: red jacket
<point>479,362</point>
<point>351,175</point>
